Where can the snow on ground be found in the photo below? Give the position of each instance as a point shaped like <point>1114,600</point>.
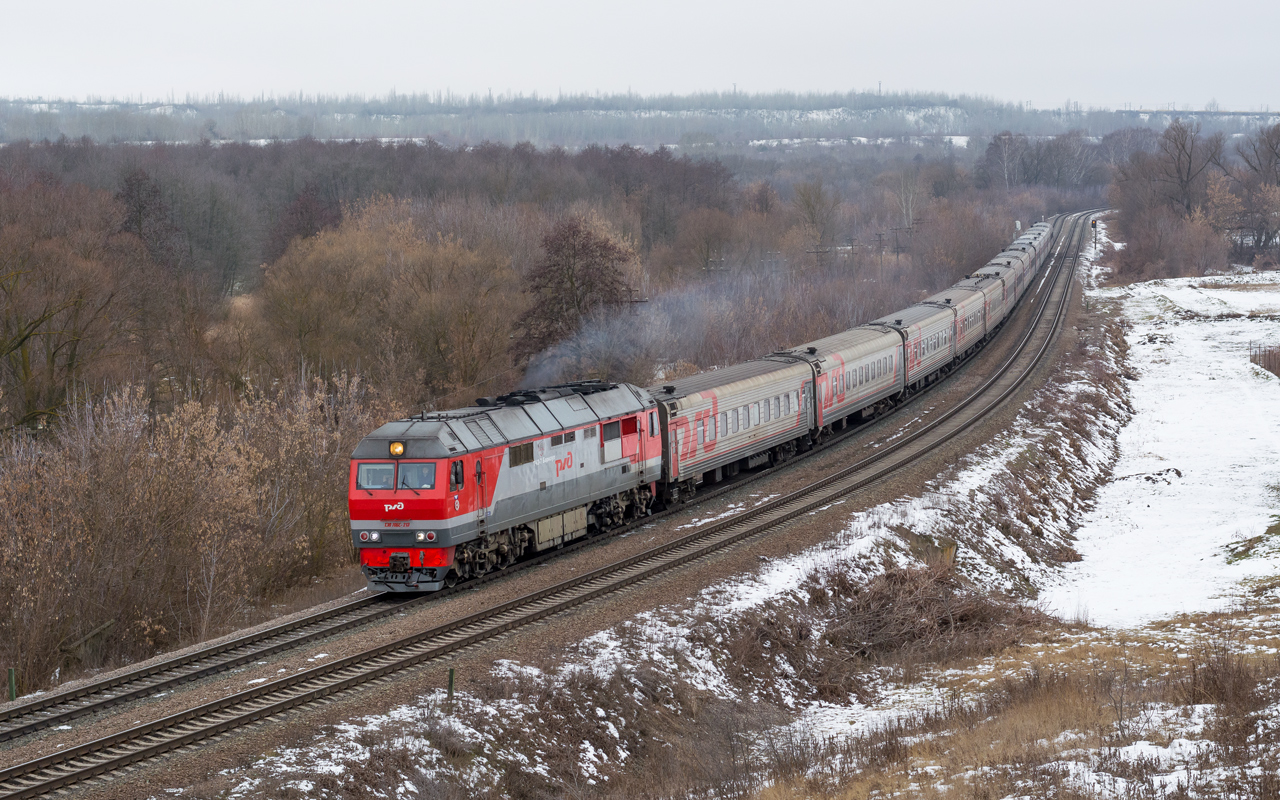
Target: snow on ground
<point>1198,474</point>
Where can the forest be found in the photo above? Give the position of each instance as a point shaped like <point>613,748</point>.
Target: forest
<point>193,337</point>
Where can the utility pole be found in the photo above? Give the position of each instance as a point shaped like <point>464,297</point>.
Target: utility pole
<point>880,242</point>
<point>897,247</point>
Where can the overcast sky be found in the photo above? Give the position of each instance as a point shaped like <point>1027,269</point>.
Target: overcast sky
<point>1096,53</point>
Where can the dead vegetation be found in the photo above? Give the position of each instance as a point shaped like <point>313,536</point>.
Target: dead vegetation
<point>1086,721</point>
<point>123,533</point>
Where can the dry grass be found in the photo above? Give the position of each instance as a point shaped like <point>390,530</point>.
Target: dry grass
<point>1011,726</point>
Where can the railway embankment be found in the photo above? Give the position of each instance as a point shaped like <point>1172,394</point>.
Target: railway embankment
<point>917,648</point>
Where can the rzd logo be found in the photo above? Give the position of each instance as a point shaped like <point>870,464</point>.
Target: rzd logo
<point>564,463</point>
<point>393,507</point>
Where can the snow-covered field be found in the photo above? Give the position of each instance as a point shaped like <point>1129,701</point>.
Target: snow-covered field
<point>1169,489</point>
<point>1198,473</point>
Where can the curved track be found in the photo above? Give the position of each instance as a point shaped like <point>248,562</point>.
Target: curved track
<point>127,747</point>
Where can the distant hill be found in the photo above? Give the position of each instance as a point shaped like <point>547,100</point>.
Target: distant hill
<point>711,119</point>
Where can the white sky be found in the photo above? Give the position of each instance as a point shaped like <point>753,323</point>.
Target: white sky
<point>1097,53</point>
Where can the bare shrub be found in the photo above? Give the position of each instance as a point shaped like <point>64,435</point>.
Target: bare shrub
<point>923,612</point>
<point>144,531</point>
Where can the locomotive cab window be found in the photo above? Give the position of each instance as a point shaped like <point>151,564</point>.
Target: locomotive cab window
<point>653,423</point>
<point>457,477</point>
<point>611,430</point>
<point>417,476</point>
<point>376,476</point>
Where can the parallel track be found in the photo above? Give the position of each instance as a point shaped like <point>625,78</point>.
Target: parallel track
<point>212,719</point>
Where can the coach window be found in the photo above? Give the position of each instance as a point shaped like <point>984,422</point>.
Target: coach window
<point>733,422</point>
<point>724,423</point>
<point>777,407</point>
<point>702,432</point>
<point>711,428</point>
<point>754,411</point>
<point>765,410</point>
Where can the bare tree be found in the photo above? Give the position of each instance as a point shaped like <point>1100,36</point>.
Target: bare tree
<point>816,205</point>
<point>581,272</point>
<point>1183,161</point>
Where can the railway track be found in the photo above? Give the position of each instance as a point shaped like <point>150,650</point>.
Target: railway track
<point>210,720</point>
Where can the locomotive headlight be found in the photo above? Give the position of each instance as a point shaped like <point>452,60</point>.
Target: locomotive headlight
<point>397,448</point>
<point>422,537</point>
<point>373,536</point>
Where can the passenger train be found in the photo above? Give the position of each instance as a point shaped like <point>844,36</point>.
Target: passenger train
<point>450,495</point>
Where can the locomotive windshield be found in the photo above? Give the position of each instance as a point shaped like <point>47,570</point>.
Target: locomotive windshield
<point>417,476</point>
<point>376,476</point>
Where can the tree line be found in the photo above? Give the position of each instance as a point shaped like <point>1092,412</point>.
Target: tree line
<point>1191,203</point>
<point>193,338</point>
